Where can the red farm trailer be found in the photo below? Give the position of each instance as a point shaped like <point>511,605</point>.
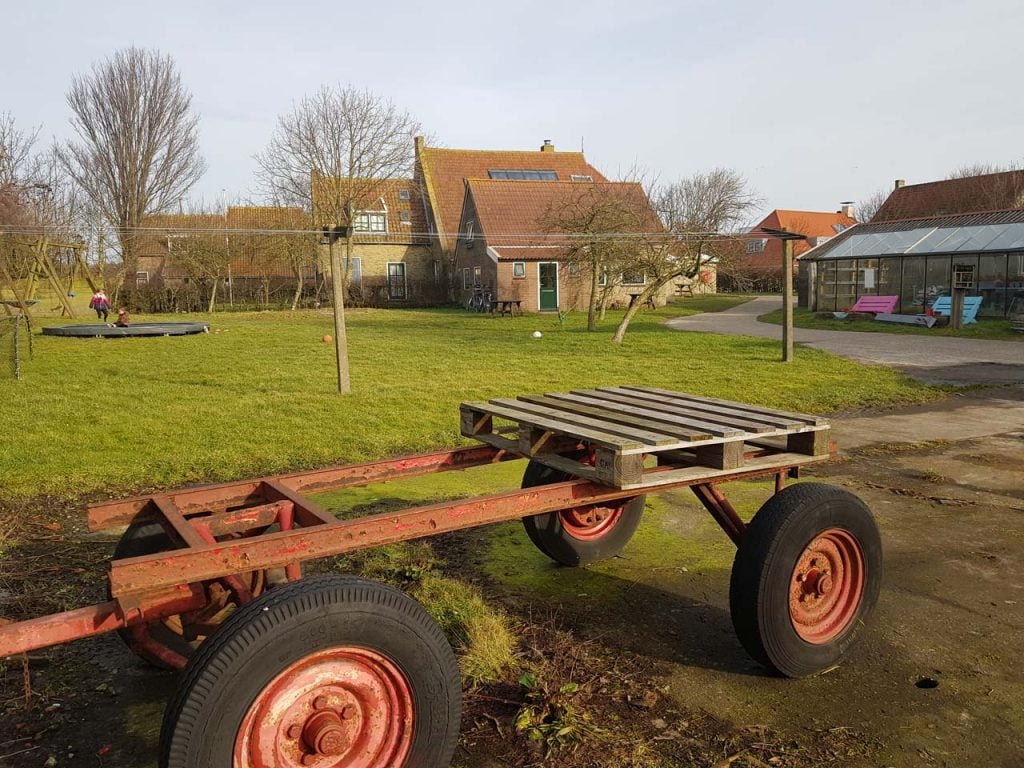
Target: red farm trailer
<point>342,672</point>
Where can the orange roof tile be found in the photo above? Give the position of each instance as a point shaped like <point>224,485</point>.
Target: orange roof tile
<point>510,214</point>
<point>445,171</point>
<point>814,224</point>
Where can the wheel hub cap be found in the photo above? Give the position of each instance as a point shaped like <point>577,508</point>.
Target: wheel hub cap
<point>827,586</point>
<point>338,708</point>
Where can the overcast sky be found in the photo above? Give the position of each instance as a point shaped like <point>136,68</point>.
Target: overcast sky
<point>814,102</point>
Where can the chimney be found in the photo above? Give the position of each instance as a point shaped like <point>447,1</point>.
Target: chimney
<point>899,183</point>
<point>418,144</point>
<point>846,208</point>
<point>547,146</point>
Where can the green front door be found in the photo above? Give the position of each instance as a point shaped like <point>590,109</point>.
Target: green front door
<point>547,275</point>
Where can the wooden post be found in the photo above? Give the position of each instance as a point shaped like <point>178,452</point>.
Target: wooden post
<point>340,340</point>
<point>787,300</point>
<point>956,311</point>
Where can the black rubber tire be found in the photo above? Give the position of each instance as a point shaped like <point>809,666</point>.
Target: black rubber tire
<point>764,564</point>
<point>551,538</point>
<point>257,642</point>
<point>148,539</point>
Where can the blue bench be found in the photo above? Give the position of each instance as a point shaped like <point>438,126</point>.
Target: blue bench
<point>944,306</point>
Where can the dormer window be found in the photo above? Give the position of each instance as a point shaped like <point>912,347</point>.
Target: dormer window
<point>371,221</point>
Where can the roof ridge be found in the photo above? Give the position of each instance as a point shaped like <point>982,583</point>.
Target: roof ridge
<point>961,214</point>
<point>517,151</point>
<point>962,178</point>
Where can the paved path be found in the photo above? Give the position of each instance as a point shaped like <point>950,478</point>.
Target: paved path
<point>935,359</point>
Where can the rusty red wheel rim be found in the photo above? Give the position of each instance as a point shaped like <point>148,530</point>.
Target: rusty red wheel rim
<point>827,586</point>
<point>587,523</point>
<point>342,707</point>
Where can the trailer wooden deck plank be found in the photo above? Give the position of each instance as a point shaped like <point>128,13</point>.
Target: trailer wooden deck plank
<point>644,436</point>
<point>678,431</point>
<point>626,403</point>
<point>551,425</point>
<point>805,417</point>
<point>697,433</point>
<point>722,413</point>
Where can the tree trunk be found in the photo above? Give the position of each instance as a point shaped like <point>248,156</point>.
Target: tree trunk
<point>645,294</point>
<point>592,308</point>
<point>213,297</point>
<point>298,290</point>
<point>340,337</point>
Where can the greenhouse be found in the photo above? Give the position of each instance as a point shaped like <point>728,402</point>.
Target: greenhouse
<point>914,259</point>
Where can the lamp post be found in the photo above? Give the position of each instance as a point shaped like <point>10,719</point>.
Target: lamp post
<point>787,239</point>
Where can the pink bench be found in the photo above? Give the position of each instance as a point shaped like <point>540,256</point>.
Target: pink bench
<point>876,304</point>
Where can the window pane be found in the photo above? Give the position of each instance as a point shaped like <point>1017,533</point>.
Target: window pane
<point>937,278</point>
<point>888,277</point>
<point>912,292</point>
<point>519,269</point>
<point>355,271</point>
<point>991,285</point>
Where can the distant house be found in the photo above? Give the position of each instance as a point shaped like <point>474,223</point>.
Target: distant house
<point>971,194</point>
<point>484,212</point>
<point>754,261</point>
<point>394,261</point>
<point>239,247</point>
<point>507,248</point>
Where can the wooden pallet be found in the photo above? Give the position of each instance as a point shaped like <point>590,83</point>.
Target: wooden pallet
<point>624,425</point>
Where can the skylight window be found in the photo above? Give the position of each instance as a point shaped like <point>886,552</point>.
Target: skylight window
<point>580,177</point>
<point>522,175</point>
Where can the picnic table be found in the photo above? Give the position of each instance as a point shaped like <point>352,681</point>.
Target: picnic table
<point>634,296</point>
<point>506,306</point>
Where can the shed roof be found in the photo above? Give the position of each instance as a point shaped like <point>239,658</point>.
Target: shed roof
<point>984,232</point>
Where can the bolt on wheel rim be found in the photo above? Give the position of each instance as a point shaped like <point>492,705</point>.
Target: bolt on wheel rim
<point>338,708</point>
<point>589,522</point>
<point>826,586</point>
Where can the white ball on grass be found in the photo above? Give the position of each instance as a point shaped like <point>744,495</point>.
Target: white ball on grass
<point>537,334</point>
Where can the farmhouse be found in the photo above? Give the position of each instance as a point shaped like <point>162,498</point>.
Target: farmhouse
<point>507,248</point>
<point>393,260</point>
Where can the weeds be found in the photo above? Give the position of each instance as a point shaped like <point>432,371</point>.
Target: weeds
<point>553,717</point>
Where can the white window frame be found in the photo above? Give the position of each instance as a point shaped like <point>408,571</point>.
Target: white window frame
<point>470,234</point>
<point>756,245</point>
<point>602,279</point>
<point>405,280</point>
<point>370,217</point>
<point>355,271</point>
<point>518,270</point>
<point>141,278</point>
<point>580,177</point>
<point>478,277</point>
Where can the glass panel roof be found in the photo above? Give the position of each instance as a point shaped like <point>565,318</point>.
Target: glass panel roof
<point>976,239</point>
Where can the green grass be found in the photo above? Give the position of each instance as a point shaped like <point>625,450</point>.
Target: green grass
<point>257,394</point>
<point>985,328</point>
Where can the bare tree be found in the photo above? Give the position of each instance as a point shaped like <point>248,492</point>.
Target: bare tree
<point>698,214</point>
<point>137,152</point>
<point>333,153</point>
<point>18,171</point>
<point>201,247</point>
<point>868,206</point>
<point>597,222</point>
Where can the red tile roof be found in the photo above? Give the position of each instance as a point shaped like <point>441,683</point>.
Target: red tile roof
<point>511,214</point>
<point>814,224</point>
<point>385,195</point>
<point>445,171</point>
<point>988,192</point>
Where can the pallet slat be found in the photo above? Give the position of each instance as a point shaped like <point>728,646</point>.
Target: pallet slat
<point>724,414</point>
<point>805,417</point>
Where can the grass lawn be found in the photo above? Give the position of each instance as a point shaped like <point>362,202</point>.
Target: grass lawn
<point>985,328</point>
<point>257,394</point>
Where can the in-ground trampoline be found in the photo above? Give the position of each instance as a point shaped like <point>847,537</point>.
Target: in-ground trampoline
<point>98,330</point>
